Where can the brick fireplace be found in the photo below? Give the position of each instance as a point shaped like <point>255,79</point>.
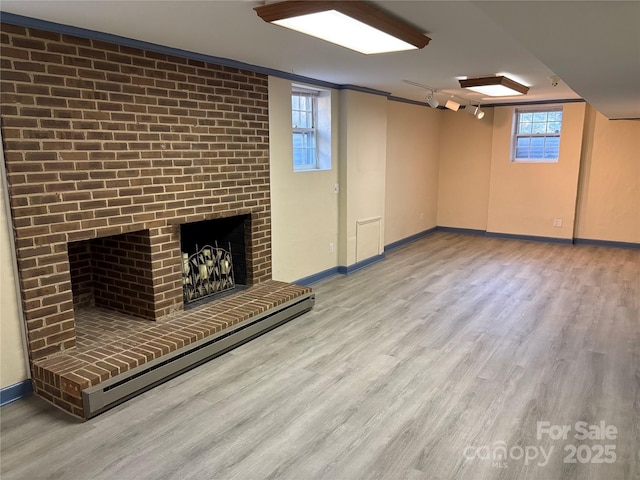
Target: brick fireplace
<point>109,150</point>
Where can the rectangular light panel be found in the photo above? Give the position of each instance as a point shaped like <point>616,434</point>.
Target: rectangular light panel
<point>495,90</point>
<point>498,86</point>
<point>335,27</point>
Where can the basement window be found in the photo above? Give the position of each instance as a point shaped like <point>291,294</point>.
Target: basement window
<point>311,128</point>
<point>536,136</point>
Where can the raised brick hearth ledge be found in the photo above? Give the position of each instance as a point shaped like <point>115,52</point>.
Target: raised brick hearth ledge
<point>110,343</point>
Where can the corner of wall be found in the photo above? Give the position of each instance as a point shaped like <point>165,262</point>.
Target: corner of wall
<point>411,174</point>
<point>582,200</point>
<point>609,194</point>
<point>14,364</point>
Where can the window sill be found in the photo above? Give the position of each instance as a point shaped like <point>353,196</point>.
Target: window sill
<point>546,160</point>
<point>306,170</point>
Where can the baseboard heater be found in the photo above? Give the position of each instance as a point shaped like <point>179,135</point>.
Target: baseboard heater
<point>122,387</point>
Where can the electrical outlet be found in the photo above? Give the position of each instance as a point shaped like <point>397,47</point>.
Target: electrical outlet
<point>331,247</point>
<point>557,222</point>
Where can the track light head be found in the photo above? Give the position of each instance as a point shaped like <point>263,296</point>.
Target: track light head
<point>452,105</point>
<point>431,101</point>
<point>475,111</point>
<point>470,109</point>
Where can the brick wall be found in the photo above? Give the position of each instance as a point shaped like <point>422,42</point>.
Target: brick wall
<point>103,140</point>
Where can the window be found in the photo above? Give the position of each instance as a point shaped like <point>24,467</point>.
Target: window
<point>311,128</point>
<point>304,116</point>
<point>537,135</point>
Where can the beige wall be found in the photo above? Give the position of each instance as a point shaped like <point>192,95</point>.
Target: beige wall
<point>411,179</point>
<point>465,167</point>
<point>304,207</point>
<point>307,214</point>
<point>609,195</point>
<point>525,198</point>
<point>363,151</point>
<point>13,365</point>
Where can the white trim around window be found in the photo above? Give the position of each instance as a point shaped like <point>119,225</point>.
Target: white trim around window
<point>536,135</point>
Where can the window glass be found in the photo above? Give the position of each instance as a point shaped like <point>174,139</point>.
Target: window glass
<point>537,135</point>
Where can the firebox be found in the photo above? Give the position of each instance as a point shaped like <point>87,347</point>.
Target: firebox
<point>213,257</point>
<point>113,272</point>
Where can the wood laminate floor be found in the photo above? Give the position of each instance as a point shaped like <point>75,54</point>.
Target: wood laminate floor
<point>418,367</point>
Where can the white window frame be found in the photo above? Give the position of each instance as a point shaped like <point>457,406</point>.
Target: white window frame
<point>516,135</point>
<point>310,133</point>
<point>320,130</point>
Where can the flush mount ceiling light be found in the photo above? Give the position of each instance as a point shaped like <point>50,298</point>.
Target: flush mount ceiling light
<point>499,86</point>
<point>355,25</point>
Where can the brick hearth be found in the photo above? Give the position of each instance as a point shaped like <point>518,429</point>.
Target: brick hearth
<point>109,343</point>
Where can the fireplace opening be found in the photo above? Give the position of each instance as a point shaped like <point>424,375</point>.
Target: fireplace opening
<point>214,258</point>
<point>113,272</point>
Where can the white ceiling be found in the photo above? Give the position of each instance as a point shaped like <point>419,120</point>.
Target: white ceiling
<point>593,46</point>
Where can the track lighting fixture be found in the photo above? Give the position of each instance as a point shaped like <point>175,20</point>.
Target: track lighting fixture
<point>452,103</point>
